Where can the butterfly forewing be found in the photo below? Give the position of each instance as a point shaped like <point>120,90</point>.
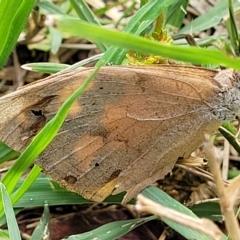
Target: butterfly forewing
<point>127,129</point>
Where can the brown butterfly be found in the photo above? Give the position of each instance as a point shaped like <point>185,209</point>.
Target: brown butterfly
<point>129,127</point>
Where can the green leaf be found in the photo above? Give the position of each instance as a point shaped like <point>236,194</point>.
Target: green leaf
<point>143,45</point>
<point>232,29</point>
<point>85,13</point>
<point>56,39</point>
<point>210,210</point>
<point>157,195</point>
<point>36,190</point>
<point>45,67</point>
<point>229,132</point>
<point>145,16</point>
<point>49,7</point>
<point>43,190</point>
<point>176,14</point>
<point>210,19</point>
<point>6,153</point>
<point>27,183</point>
<point>112,230</point>
<point>13,229</point>
<point>42,229</point>
<point>4,234</point>
<point>233,173</point>
<point>13,15</point>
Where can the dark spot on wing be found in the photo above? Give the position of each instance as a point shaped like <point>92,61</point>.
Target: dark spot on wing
<point>70,179</point>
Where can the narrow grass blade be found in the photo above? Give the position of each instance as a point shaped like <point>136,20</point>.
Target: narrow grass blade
<point>45,67</point>
<point>13,229</point>
<point>7,153</point>
<point>13,15</point>
<point>85,13</point>
<point>36,190</point>
<point>229,132</point>
<point>210,19</point>
<point>56,39</point>
<point>43,190</point>
<point>161,197</point>
<point>4,234</point>
<point>42,230</point>
<point>49,6</point>
<point>143,45</point>
<point>111,230</point>
<point>126,13</point>
<point>210,210</point>
<point>27,183</point>
<point>145,16</point>
<point>232,29</point>
<point>82,63</point>
<point>176,13</point>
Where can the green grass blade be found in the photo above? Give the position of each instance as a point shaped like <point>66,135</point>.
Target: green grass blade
<point>210,210</point>
<point>126,13</point>
<point>23,188</point>
<point>36,190</point>
<point>210,19</point>
<point>56,39</point>
<point>4,234</point>
<point>44,190</point>
<point>229,132</point>
<point>232,29</point>
<point>13,15</point>
<point>42,229</point>
<point>82,63</point>
<point>157,195</point>
<point>112,230</point>
<point>176,14</point>
<point>45,67</point>
<point>49,7</point>
<point>85,13</point>
<point>129,41</point>
<point>13,229</point>
<point>145,16</point>
<point>6,153</point>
